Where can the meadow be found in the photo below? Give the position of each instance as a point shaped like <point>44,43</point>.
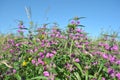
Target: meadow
<point>55,54</point>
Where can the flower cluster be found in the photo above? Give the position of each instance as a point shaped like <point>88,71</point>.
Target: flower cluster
<point>53,54</point>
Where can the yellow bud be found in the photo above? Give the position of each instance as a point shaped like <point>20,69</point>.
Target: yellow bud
<point>24,63</point>
<point>29,59</point>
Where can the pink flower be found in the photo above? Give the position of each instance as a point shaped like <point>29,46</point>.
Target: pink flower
<point>100,44</point>
<point>95,63</point>
<point>78,30</point>
<point>115,48</point>
<point>31,51</point>
<point>33,61</point>
<point>46,73</point>
<point>110,71</point>
<point>20,31</point>
<point>14,71</point>
<point>103,78</point>
<point>40,61</point>
<point>118,75</point>
<point>21,27</point>
<point>54,52</point>
<point>106,46</point>
<point>77,60</point>
<point>105,56</point>
<point>81,35</point>
<point>41,55</point>
<point>36,49</point>
<point>36,63</point>
<point>49,55</point>
<point>17,44</point>
<point>112,58</point>
<point>118,62</point>
<point>79,46</point>
<point>72,22</point>
<point>78,22</point>
<point>11,51</point>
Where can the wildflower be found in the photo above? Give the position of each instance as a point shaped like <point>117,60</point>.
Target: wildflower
<point>118,75</point>
<point>36,63</point>
<point>72,22</point>
<point>95,63</point>
<point>118,62</point>
<point>37,40</point>
<point>54,52</point>
<point>106,46</point>
<point>21,27</point>
<point>72,55</point>
<point>41,55</point>
<point>14,71</point>
<point>100,44</point>
<point>20,31</point>
<point>103,78</point>
<point>45,68</point>
<point>112,58</point>
<point>40,61</point>
<point>17,44</point>
<point>11,42</point>
<point>49,55</point>
<point>36,49</point>
<point>110,71</point>
<point>24,63</point>
<point>105,56</point>
<point>31,51</point>
<point>11,51</point>
<point>115,48</point>
<point>33,61</point>
<point>81,35</point>
<point>77,60</point>
<point>78,22</point>
<point>79,46</point>
<point>46,73</point>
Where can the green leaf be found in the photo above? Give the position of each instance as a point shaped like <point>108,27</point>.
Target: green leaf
<point>17,76</point>
<point>39,77</point>
<point>77,75</point>
<point>79,67</point>
<point>86,75</point>
<point>101,67</point>
<point>100,77</point>
<point>53,70</point>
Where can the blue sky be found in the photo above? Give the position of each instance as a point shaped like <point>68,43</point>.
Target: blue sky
<point>99,13</point>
